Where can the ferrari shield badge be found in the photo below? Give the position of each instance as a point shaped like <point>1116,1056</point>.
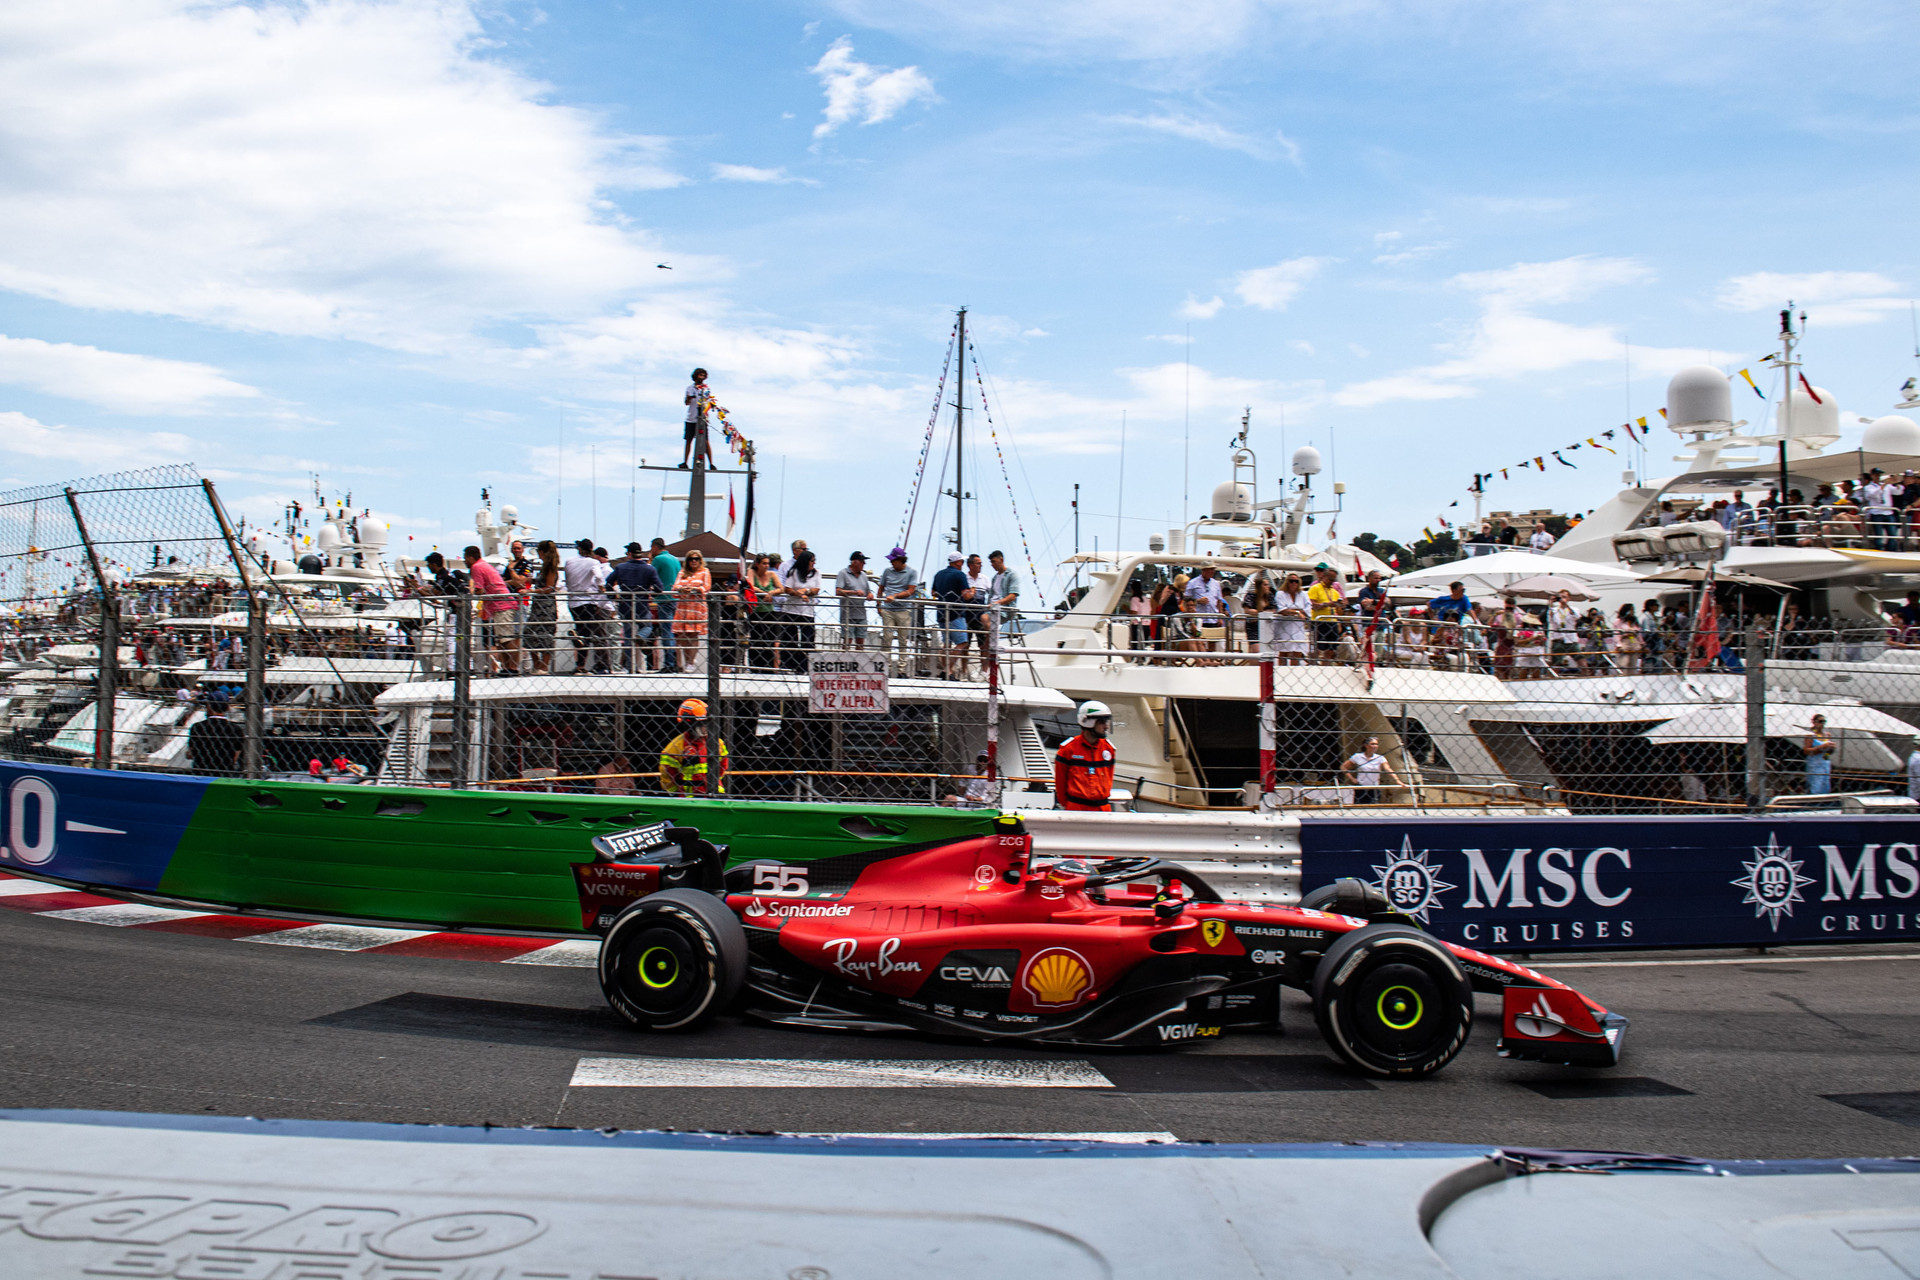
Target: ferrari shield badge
<point>1213,931</point>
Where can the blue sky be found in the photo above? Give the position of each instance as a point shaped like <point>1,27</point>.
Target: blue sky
<point>414,246</point>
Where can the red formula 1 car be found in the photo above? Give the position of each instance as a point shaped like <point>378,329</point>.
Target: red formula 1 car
<point>971,938</point>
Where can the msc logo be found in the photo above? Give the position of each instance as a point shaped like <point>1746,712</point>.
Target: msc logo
<point>1213,931</point>
<point>1773,881</point>
<point>1411,883</point>
<point>1057,977</point>
<point>1187,1031</point>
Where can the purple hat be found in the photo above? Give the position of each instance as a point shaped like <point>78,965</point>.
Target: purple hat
<point>898,553</point>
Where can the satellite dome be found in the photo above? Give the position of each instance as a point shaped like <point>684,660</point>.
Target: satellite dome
<point>1232,501</point>
<point>1306,461</point>
<point>482,518</point>
<point>1892,434</point>
<point>328,536</point>
<point>1698,397</point>
<point>1815,421</point>
<point>509,515</point>
<point>372,534</point>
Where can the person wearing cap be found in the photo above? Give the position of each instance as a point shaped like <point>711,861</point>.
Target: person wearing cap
<point>694,764</point>
<point>699,399</point>
<point>950,589</point>
<point>897,587</point>
<point>854,586</point>
<point>634,584</point>
<point>1329,602</point>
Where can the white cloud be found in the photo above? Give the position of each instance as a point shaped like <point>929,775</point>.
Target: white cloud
<point>1213,134</point>
<point>95,451</point>
<point>751,173</point>
<point>860,91</point>
<point>1272,288</point>
<point>116,380</point>
<point>1412,253</point>
<point>1194,309</point>
<point>345,168</point>
<point>1509,340</point>
<point>1829,297</point>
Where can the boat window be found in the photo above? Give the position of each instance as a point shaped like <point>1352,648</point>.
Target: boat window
<point>1419,746</point>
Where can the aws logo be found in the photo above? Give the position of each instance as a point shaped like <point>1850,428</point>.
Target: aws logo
<point>1057,977</point>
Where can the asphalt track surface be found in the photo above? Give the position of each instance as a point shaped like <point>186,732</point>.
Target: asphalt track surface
<point>1788,1054</point>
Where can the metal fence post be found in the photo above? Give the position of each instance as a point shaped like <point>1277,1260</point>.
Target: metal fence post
<point>461,757</point>
<point>1756,718</point>
<point>253,759</point>
<point>716,712</point>
<point>993,695</point>
<point>107,669</point>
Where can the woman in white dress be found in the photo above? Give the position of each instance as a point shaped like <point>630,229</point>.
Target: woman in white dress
<point>1291,609</point>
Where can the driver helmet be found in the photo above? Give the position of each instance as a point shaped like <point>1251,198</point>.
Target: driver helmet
<point>693,709</point>
<point>1091,711</point>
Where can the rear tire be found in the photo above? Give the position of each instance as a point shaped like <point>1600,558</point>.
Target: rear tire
<point>1393,1001</point>
<point>673,960</point>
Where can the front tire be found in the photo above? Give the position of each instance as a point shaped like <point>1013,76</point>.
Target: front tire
<point>673,960</point>
<point>1392,1001</point>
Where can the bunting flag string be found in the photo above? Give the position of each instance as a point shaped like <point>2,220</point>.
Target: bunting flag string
<point>1751,383</point>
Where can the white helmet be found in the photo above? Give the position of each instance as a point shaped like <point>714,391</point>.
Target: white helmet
<point>1090,711</point>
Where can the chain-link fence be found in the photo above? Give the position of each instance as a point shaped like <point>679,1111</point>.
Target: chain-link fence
<point>139,634</point>
<point>1521,705</point>
<point>705,692</point>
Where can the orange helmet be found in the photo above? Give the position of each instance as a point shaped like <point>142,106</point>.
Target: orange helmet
<point>693,709</point>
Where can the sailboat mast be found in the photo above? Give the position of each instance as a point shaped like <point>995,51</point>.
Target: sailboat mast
<point>959,443</point>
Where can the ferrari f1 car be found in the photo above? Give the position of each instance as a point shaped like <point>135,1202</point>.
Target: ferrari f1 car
<point>972,938</point>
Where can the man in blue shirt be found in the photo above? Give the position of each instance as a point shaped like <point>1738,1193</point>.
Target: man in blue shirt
<point>950,588</point>
<point>634,583</point>
<point>1453,608</point>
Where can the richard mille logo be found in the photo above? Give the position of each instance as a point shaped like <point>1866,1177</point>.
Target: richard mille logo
<point>1773,881</point>
<point>1411,883</point>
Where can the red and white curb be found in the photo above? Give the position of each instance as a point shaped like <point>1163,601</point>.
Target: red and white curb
<point>35,897</point>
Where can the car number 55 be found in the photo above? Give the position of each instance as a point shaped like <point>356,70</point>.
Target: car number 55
<point>780,882</point>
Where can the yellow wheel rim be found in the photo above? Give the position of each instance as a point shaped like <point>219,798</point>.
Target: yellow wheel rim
<point>658,968</point>
<point>1400,1008</point>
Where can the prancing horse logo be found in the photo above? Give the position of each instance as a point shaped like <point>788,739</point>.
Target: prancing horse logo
<point>1213,931</point>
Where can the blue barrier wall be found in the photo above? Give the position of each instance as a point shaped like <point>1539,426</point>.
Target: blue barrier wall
<point>1594,883</point>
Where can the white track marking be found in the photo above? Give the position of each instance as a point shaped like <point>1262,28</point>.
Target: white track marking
<point>336,937</point>
<point>88,826</point>
<point>1145,1135</point>
<point>15,888</point>
<point>1654,964</point>
<point>122,914</point>
<point>575,953</point>
<point>809,1073</point>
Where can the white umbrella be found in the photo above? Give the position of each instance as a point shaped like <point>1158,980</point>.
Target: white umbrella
<point>1486,575</point>
<point>1855,726</point>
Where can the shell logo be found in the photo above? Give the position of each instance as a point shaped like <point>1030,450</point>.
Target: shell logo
<point>1057,977</point>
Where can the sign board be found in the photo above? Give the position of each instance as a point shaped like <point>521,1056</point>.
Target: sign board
<point>847,683</point>
<point>1596,883</point>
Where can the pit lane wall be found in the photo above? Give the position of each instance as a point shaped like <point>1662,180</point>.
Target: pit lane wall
<point>450,859</point>
<point>1585,884</point>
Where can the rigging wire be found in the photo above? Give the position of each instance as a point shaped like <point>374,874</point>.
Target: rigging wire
<point>993,431</point>
<point>926,444</point>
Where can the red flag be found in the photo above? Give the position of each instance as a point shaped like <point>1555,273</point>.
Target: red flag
<point>730,509</point>
<point>1809,387</point>
<point>1706,630</point>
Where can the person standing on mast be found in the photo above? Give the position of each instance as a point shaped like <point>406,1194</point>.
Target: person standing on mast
<point>699,398</point>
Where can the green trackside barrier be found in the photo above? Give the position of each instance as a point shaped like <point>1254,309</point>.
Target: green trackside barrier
<point>483,859</point>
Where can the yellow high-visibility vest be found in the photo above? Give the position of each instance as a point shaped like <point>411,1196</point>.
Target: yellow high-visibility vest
<point>685,768</point>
